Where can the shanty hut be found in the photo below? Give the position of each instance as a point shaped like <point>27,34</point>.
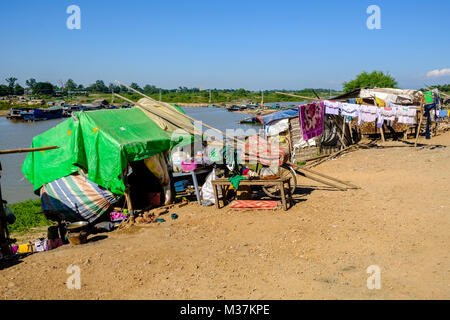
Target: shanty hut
<point>102,156</point>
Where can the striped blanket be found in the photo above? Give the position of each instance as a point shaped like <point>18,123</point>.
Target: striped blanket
<point>75,198</point>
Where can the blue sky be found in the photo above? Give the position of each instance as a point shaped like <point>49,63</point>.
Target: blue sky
<point>225,44</point>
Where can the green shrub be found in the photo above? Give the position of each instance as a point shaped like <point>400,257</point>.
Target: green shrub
<point>28,215</point>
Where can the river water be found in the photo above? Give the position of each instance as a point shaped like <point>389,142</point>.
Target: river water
<point>14,135</point>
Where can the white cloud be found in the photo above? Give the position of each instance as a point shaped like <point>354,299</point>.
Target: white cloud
<point>438,73</point>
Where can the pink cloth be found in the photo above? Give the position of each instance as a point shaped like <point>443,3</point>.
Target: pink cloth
<point>311,119</point>
<point>53,244</point>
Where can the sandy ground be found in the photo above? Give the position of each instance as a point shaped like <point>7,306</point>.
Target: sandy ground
<point>320,249</point>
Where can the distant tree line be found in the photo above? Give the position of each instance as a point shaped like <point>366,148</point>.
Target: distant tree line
<point>180,94</point>
<point>184,94</point>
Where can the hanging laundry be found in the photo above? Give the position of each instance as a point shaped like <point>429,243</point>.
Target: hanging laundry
<point>386,114</point>
<point>368,114</point>
<point>311,119</point>
<point>350,110</point>
<point>406,115</point>
<point>332,107</point>
<point>380,102</point>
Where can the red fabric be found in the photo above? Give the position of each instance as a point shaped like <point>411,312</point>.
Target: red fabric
<point>254,204</point>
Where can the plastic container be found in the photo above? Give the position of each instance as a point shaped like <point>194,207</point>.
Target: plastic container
<point>189,165</point>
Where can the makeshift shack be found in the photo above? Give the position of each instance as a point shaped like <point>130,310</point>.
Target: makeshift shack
<point>285,126</point>
<point>93,166</point>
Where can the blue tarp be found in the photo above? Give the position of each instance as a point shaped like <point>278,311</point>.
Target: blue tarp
<point>279,115</point>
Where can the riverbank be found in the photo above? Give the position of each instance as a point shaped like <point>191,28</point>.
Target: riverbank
<point>320,249</point>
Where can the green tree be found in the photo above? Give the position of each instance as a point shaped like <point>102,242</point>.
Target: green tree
<point>44,88</point>
<point>4,90</point>
<point>30,83</point>
<point>135,86</point>
<point>18,90</point>
<point>70,85</point>
<point>98,86</point>
<point>374,79</point>
<point>11,82</point>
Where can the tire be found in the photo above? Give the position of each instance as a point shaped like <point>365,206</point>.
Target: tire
<point>285,171</point>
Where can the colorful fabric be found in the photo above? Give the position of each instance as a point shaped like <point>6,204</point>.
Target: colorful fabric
<point>158,166</point>
<point>254,204</point>
<point>53,244</point>
<point>236,180</point>
<point>380,102</point>
<point>76,198</point>
<point>41,245</point>
<point>259,150</point>
<point>311,119</point>
<point>25,248</point>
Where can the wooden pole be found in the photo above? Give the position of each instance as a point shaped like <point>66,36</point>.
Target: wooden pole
<point>315,93</point>
<point>184,115</point>
<point>351,131</point>
<point>307,175</point>
<point>352,186</point>
<point>381,129</point>
<point>344,145</point>
<point>420,125</point>
<point>169,120</point>
<point>295,95</point>
<point>155,112</point>
<point>333,155</point>
<point>27,150</point>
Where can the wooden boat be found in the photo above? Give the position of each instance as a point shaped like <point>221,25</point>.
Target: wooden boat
<point>234,108</point>
<point>42,114</point>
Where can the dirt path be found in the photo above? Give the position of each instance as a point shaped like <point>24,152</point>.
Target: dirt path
<point>399,221</point>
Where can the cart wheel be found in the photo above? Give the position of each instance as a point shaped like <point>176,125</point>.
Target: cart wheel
<point>284,172</point>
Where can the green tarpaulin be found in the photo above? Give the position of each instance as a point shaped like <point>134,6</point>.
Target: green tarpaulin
<point>102,142</point>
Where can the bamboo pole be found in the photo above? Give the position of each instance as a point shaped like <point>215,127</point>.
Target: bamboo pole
<point>420,125</point>
<point>174,122</point>
<point>157,113</point>
<point>352,186</point>
<point>307,175</point>
<point>184,115</point>
<point>333,155</point>
<point>315,93</point>
<point>295,95</point>
<point>27,150</point>
<point>381,129</point>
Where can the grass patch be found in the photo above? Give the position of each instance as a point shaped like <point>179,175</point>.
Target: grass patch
<point>28,215</point>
